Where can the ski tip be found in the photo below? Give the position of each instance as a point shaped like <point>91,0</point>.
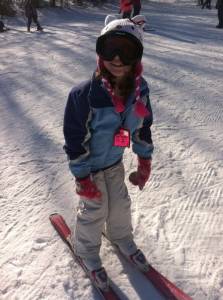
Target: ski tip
<point>60,225</point>
<point>53,214</point>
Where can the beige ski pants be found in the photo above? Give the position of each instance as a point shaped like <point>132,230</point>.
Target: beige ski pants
<point>112,214</point>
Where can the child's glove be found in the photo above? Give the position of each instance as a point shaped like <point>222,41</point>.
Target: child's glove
<point>87,188</point>
<point>141,176</point>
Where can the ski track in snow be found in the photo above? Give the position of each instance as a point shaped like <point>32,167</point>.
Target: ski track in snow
<point>177,218</point>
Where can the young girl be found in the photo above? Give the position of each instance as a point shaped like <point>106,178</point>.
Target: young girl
<point>101,117</point>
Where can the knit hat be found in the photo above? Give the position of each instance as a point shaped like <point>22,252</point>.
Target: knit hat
<point>131,29</point>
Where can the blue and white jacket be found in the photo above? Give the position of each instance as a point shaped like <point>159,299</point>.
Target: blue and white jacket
<point>91,121</point>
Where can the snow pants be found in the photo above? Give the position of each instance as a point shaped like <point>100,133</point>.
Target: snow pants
<point>136,9</point>
<point>35,20</point>
<point>112,215</point>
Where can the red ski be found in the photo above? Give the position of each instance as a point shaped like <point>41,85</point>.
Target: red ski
<point>166,287</point>
<point>161,283</point>
<point>64,232</point>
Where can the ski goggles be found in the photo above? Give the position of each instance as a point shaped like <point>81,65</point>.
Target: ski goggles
<point>128,48</point>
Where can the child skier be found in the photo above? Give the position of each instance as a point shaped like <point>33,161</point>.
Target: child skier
<point>102,115</point>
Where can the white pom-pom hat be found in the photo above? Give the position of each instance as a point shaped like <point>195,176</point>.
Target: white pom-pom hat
<point>129,28</point>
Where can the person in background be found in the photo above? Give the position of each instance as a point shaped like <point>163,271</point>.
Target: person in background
<point>206,4</point>
<point>126,7</point>
<point>102,116</point>
<point>2,27</point>
<point>136,7</point>
<point>219,7</point>
<point>31,14</point>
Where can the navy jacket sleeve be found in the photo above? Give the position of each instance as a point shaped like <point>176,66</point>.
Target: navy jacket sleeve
<point>142,137</point>
<point>76,131</point>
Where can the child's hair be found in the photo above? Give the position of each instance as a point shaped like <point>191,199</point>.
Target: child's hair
<point>125,85</point>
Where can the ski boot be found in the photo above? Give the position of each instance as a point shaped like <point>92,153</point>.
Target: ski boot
<point>100,278</point>
<point>140,261</point>
<point>39,28</point>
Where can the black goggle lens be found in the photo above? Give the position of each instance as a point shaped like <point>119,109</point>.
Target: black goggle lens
<point>127,50</point>
<point>124,57</point>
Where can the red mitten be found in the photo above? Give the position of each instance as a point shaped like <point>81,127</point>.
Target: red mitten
<point>87,188</point>
<point>141,176</point>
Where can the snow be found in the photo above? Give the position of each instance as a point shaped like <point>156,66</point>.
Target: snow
<point>177,218</point>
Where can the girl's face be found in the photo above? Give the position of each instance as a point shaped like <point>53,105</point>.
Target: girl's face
<point>116,67</point>
<point>119,54</point>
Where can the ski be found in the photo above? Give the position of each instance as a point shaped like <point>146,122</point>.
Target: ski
<point>64,232</point>
<point>160,282</point>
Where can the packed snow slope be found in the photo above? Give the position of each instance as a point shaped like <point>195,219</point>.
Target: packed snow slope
<point>177,218</point>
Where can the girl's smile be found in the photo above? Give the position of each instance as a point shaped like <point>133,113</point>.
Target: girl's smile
<point>116,67</point>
